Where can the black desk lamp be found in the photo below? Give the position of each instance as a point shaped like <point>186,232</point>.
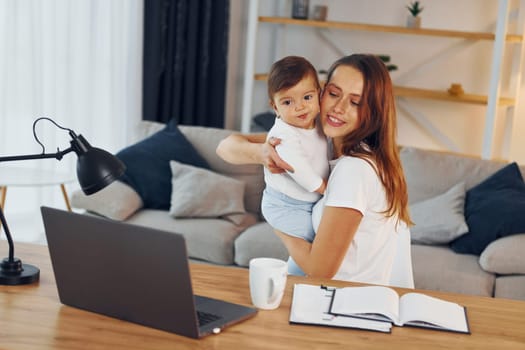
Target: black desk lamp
<point>96,169</point>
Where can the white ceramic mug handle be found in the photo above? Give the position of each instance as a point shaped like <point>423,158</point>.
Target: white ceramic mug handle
<point>276,286</point>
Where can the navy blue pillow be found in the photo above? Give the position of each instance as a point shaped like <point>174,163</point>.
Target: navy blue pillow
<point>493,209</point>
<point>147,164</point>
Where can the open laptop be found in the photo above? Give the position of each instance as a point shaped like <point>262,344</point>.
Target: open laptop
<point>132,273</point>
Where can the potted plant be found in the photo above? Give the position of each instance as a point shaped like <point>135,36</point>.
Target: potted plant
<point>386,61</point>
<point>414,20</point>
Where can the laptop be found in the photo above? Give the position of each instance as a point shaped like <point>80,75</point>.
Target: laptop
<point>133,273</point>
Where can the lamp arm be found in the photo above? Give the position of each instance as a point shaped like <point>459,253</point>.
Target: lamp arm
<point>58,155</point>
<point>96,169</point>
<point>8,235</point>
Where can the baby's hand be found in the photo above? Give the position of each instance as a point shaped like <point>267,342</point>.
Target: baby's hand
<point>321,188</point>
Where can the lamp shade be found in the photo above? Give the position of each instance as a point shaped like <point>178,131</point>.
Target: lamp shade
<point>96,168</point>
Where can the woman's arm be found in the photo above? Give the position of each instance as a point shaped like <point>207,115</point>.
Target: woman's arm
<point>242,148</point>
<point>252,149</point>
<point>323,257</point>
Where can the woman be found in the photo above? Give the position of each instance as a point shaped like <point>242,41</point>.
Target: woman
<point>362,221</point>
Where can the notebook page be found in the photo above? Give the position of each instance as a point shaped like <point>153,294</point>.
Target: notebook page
<point>417,308</point>
<point>310,305</point>
<point>367,300</point>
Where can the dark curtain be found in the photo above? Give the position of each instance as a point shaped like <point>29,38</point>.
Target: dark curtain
<point>185,61</point>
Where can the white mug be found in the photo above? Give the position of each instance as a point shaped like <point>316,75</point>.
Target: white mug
<point>267,282</point>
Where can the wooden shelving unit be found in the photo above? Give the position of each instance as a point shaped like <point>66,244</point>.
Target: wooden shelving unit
<point>492,99</point>
<point>404,91</point>
<point>388,29</point>
<point>412,92</point>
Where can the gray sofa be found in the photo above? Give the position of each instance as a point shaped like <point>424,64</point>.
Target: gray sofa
<point>499,271</point>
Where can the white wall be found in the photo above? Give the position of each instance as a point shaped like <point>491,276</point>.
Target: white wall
<point>463,124</point>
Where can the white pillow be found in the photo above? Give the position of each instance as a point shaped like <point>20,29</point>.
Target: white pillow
<point>198,192</point>
<point>440,219</point>
<point>117,201</point>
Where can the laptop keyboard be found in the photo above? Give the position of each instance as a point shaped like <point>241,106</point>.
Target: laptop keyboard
<point>205,317</point>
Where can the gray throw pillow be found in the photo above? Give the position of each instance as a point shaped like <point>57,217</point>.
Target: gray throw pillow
<point>117,201</point>
<point>198,192</point>
<point>440,219</point>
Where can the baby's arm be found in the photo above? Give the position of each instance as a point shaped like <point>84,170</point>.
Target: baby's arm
<point>304,174</point>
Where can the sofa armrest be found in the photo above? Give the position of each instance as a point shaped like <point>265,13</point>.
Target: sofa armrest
<point>505,255</point>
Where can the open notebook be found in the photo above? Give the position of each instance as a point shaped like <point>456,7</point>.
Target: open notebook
<point>411,309</point>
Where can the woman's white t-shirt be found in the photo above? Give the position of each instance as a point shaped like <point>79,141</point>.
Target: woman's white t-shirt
<point>353,183</point>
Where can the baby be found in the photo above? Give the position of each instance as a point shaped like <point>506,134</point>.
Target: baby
<point>288,199</point>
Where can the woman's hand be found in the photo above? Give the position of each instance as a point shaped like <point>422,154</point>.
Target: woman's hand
<point>271,159</point>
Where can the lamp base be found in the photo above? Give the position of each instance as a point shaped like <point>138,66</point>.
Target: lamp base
<point>14,273</point>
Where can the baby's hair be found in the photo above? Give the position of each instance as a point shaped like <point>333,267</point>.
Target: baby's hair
<point>287,72</point>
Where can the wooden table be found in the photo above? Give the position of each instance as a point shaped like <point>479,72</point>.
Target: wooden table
<point>31,317</point>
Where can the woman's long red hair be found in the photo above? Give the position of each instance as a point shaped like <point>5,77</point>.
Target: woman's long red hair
<point>375,138</point>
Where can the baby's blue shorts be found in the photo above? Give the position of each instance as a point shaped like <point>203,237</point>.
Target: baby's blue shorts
<point>290,216</point>
<point>287,214</point>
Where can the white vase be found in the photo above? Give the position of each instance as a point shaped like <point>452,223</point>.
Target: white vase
<point>413,22</point>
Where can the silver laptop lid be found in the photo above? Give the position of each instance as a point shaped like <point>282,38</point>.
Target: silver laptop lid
<point>129,272</point>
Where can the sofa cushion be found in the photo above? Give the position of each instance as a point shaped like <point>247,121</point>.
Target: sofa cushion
<point>439,219</point>
<point>430,173</point>
<point>198,192</point>
<point>258,241</point>
<point>147,162</point>
<point>493,209</point>
<point>439,268</point>
<point>510,287</point>
<point>205,140</point>
<point>117,201</point>
<point>505,255</point>
<point>208,239</point>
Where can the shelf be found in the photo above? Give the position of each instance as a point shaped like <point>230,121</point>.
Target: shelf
<point>511,38</point>
<point>505,45</point>
<point>445,96</point>
<point>411,92</point>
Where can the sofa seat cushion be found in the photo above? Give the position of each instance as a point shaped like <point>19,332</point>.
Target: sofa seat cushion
<point>207,239</point>
<point>258,241</point>
<point>439,268</point>
<point>505,255</point>
<point>510,287</point>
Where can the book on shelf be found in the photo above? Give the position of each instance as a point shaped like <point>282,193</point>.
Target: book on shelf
<point>411,309</point>
<point>311,303</point>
